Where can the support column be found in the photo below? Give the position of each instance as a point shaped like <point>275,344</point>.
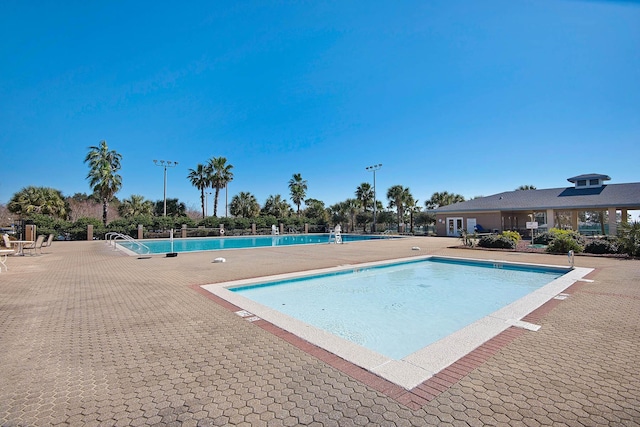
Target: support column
<point>140,231</point>
<point>90,232</point>
<point>625,214</point>
<point>613,227</point>
<point>550,219</point>
<point>253,228</point>
<point>183,231</point>
<point>574,220</point>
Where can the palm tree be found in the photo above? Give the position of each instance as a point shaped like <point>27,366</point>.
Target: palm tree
<point>245,205</point>
<point>398,197</point>
<point>443,199</point>
<point>364,193</point>
<point>412,206</point>
<point>350,207</point>
<point>219,176</point>
<point>297,189</point>
<point>39,200</point>
<point>134,206</point>
<point>526,187</point>
<point>103,177</point>
<point>199,178</point>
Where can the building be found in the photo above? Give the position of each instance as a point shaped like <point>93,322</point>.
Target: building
<point>553,207</point>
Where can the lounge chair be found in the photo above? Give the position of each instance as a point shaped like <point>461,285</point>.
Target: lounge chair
<point>481,230</point>
<point>47,243</point>
<point>35,245</point>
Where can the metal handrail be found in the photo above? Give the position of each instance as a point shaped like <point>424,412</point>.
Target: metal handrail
<point>112,236</point>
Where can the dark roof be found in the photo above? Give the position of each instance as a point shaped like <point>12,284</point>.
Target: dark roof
<point>608,196</point>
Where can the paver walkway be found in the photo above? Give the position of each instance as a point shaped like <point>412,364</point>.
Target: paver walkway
<point>89,336</point>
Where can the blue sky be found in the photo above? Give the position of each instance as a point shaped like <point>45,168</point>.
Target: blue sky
<point>468,97</point>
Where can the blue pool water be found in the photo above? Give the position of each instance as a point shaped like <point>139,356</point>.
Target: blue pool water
<point>398,309</point>
<point>161,246</point>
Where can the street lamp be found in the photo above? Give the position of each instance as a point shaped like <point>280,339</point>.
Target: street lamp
<point>373,169</point>
<point>165,164</point>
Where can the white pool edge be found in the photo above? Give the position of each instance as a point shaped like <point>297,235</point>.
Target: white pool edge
<point>421,365</point>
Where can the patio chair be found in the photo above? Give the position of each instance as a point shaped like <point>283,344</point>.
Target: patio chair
<point>35,245</point>
<point>7,242</point>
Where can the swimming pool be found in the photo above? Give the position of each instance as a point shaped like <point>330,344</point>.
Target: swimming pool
<point>404,320</point>
<point>161,246</point>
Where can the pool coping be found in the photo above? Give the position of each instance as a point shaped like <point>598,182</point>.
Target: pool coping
<point>422,365</point>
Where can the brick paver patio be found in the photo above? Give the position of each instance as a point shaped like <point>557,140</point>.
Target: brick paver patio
<point>89,336</point>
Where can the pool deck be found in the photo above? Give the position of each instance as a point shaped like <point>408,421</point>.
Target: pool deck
<point>90,336</point>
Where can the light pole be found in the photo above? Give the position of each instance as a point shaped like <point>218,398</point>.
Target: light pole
<point>165,164</point>
<point>206,202</point>
<point>373,169</point>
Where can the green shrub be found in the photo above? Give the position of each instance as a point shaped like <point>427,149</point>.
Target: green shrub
<point>629,237</point>
<point>513,235</point>
<point>548,236</point>
<point>601,246</point>
<point>499,242</point>
<point>563,244</point>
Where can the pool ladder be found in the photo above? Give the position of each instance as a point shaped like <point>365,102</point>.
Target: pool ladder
<point>112,236</point>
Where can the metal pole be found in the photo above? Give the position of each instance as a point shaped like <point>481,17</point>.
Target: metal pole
<point>373,169</point>
<point>165,164</point>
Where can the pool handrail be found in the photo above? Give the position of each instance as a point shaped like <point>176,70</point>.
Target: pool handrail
<point>112,236</point>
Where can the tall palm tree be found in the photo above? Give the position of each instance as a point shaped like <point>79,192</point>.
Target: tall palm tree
<point>199,178</point>
<point>350,207</point>
<point>443,198</point>
<point>297,189</point>
<point>103,177</point>
<point>134,206</point>
<point>398,197</point>
<point>39,200</point>
<point>219,176</point>
<point>245,205</point>
<point>413,207</point>
<point>364,193</point>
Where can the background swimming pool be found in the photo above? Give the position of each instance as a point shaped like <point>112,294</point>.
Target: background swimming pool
<point>161,246</point>
<point>399,309</point>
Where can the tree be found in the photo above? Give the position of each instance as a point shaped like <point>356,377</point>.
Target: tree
<point>175,208</point>
<point>629,238</point>
<point>244,205</point>
<point>297,189</point>
<point>350,207</point>
<point>199,178</point>
<point>316,211</point>
<point>219,176</point>
<point>276,206</point>
<point>412,206</point>
<point>398,197</point>
<point>134,206</point>
<point>39,200</point>
<point>364,193</point>
<point>103,177</point>
<point>526,187</point>
<point>443,199</point>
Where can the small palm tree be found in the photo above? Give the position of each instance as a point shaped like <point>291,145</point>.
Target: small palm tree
<point>134,206</point>
<point>103,177</point>
<point>526,187</point>
<point>199,178</point>
<point>219,176</point>
<point>244,205</point>
<point>297,189</point>
<point>39,200</point>
<point>443,198</point>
